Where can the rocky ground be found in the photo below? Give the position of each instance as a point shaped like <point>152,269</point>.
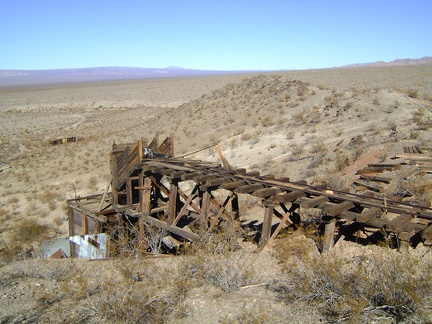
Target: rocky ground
<point>319,125</point>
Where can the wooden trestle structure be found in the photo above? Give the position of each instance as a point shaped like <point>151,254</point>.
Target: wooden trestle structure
<point>148,189</point>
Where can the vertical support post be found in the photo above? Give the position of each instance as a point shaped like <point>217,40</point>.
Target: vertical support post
<point>235,206</point>
<point>266,227</point>
<point>129,196</point>
<point>84,224</point>
<point>114,179</point>
<point>145,195</point>
<point>140,150</point>
<point>172,203</point>
<point>328,239</point>
<point>205,203</point>
<point>128,181</point>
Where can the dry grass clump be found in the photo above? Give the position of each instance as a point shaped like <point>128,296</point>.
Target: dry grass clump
<point>367,287</point>
<point>25,239</point>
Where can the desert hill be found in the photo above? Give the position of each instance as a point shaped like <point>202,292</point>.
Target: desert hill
<point>318,125</point>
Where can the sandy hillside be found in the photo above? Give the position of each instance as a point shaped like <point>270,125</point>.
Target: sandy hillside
<point>319,125</point>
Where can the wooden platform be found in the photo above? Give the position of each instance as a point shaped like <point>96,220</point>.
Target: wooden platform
<point>150,190</point>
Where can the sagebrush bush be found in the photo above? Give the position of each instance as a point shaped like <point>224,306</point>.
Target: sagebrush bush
<point>387,285</point>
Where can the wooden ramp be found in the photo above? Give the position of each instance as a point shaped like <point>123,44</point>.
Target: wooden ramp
<point>151,191</point>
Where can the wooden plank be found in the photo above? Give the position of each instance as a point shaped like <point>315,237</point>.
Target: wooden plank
<point>328,239</point>
<point>166,147</point>
<point>366,216</point>
<point>266,192</point>
<point>249,188</point>
<point>349,215</point>
<point>225,163</point>
<point>336,209</point>
<point>216,182</point>
<point>266,227</point>
<point>205,203</point>
<point>313,202</point>
<point>369,185</point>
<point>283,222</point>
<point>202,178</point>
<point>184,208</point>
<point>154,144</point>
<point>232,185</point>
<point>396,225</point>
<point>190,176</point>
<point>176,175</point>
<point>173,229</point>
<point>172,202</point>
<point>253,174</point>
<point>376,178</point>
<point>414,156</point>
<point>289,196</point>
<point>377,223</point>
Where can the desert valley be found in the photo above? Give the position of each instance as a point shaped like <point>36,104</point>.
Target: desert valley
<point>319,126</point>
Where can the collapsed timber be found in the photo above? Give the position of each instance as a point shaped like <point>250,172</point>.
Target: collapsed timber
<point>152,189</point>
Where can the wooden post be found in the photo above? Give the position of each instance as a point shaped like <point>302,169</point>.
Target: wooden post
<point>172,203</point>
<point>328,239</point>
<point>114,180</point>
<point>145,195</point>
<point>235,206</point>
<point>84,224</point>
<point>128,181</point>
<point>205,203</point>
<point>266,227</point>
<point>140,151</point>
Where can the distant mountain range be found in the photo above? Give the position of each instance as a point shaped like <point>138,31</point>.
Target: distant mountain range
<point>10,78</point>
<point>420,61</point>
<point>34,77</point>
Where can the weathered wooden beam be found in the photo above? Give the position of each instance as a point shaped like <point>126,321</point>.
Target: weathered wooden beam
<point>396,225</point>
<point>328,239</point>
<point>172,202</point>
<point>185,197</point>
<point>377,223</point>
<point>366,216</point>
<point>173,229</point>
<point>313,202</point>
<point>232,185</point>
<point>266,226</point>
<point>289,196</point>
<point>235,206</point>
<point>216,182</point>
<point>202,178</point>
<point>266,192</point>
<point>205,203</point>
<point>253,174</point>
<point>190,176</point>
<point>414,156</point>
<point>369,185</point>
<point>249,188</point>
<point>184,208</point>
<point>275,233</point>
<point>336,209</point>
<point>175,175</point>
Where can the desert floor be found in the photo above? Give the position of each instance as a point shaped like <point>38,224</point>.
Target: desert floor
<point>316,125</point>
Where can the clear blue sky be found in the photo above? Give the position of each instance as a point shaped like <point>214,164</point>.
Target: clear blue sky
<point>216,34</point>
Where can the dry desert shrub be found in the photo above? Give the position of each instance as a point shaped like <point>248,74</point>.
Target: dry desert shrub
<point>25,239</point>
<point>367,287</point>
<point>127,292</point>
